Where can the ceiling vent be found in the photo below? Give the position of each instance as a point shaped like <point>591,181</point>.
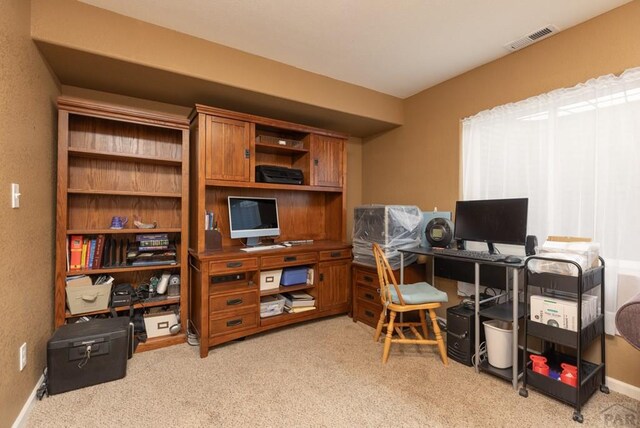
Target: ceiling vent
<point>530,39</point>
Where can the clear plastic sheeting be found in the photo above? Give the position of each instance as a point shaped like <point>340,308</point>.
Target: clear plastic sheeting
<point>583,253</point>
<point>393,227</point>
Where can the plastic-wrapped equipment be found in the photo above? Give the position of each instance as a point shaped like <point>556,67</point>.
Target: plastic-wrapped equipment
<point>391,226</point>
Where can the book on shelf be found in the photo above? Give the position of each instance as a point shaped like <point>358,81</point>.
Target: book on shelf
<point>75,248</point>
<point>83,260</point>
<point>97,260</point>
<point>141,256</point>
<point>297,310</point>
<point>91,253</point>
<point>298,299</point>
<point>153,262</point>
<point>153,240</point>
<point>68,253</point>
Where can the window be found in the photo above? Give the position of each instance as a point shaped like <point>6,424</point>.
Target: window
<point>575,153</point>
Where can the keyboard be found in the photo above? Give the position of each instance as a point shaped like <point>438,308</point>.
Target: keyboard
<point>262,248</point>
<point>468,254</point>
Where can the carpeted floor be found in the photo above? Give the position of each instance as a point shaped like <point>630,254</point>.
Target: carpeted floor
<point>323,373</point>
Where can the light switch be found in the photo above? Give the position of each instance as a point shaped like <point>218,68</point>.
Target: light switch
<point>15,195</point>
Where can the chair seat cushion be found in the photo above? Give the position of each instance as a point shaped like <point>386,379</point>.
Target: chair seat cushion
<point>418,293</point>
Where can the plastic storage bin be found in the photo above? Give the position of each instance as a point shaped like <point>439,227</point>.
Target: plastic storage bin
<point>294,275</point>
<point>499,337</point>
<point>270,280</point>
<point>88,298</point>
<point>271,305</point>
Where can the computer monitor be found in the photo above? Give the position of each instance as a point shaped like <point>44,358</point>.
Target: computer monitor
<point>253,218</point>
<point>494,221</point>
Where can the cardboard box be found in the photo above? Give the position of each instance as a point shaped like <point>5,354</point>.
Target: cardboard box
<point>547,310</point>
<point>158,324</point>
<point>270,279</point>
<point>563,312</point>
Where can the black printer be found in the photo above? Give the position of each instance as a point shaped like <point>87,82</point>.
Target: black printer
<point>278,174</point>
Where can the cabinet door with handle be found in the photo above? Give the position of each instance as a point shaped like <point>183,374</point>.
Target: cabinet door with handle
<point>334,284</point>
<point>227,149</point>
<point>327,156</point>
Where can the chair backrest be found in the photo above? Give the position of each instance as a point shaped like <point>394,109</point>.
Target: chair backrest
<point>385,276</point>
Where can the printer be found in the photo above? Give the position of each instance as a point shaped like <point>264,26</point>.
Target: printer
<point>278,174</point>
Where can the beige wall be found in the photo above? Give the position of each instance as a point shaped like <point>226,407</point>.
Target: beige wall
<point>61,26</point>
<point>419,162</point>
<point>27,141</point>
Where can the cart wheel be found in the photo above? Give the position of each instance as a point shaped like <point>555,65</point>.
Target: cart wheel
<point>524,393</point>
<point>578,417</point>
<point>604,389</point>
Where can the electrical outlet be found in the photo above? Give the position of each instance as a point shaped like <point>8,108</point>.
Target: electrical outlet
<point>23,356</point>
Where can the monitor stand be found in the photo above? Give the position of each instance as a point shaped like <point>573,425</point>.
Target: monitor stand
<point>492,249</point>
<point>253,241</point>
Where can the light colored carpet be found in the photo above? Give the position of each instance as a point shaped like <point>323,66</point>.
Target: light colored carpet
<point>325,373</point>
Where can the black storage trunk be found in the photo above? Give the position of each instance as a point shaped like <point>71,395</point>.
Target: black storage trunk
<point>67,365</point>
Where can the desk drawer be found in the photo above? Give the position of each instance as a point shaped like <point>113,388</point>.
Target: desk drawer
<point>231,302</point>
<point>368,314</point>
<point>234,265</point>
<point>368,295</point>
<point>335,254</point>
<point>288,260</point>
<point>368,278</point>
<point>239,321</point>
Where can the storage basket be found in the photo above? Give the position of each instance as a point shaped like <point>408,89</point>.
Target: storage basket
<point>271,305</point>
<point>270,279</point>
<point>88,298</point>
<point>276,141</point>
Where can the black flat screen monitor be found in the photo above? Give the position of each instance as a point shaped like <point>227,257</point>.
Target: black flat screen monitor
<point>494,221</point>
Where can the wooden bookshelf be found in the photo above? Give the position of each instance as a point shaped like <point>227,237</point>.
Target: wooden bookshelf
<point>120,161</point>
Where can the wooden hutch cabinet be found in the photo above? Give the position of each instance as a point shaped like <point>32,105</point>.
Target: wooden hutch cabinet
<point>226,147</point>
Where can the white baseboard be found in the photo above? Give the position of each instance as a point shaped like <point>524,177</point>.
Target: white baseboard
<point>22,417</point>
<point>623,388</point>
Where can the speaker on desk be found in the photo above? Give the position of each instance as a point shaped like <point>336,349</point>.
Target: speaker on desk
<point>530,245</point>
<point>460,245</point>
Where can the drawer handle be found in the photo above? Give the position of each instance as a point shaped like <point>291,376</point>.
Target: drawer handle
<point>234,323</point>
<point>233,302</point>
<point>290,259</point>
<point>368,278</point>
<point>369,314</point>
<point>234,264</point>
<point>369,296</point>
<point>336,254</point>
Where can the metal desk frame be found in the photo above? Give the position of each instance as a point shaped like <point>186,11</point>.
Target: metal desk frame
<point>513,267</point>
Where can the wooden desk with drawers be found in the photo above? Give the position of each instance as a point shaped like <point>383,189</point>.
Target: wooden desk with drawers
<point>225,288</point>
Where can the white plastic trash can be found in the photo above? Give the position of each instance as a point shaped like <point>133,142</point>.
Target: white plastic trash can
<point>499,337</point>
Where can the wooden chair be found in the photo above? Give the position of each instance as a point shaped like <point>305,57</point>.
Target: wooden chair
<point>403,298</point>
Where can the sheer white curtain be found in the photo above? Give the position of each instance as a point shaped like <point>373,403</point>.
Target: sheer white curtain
<point>575,153</point>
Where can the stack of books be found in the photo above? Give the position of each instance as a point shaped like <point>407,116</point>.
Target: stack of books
<point>151,249</point>
<point>298,301</point>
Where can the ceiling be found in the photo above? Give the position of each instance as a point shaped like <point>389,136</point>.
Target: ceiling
<point>396,47</point>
